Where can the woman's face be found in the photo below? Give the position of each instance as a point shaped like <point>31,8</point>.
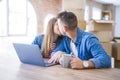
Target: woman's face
<point>56,29</point>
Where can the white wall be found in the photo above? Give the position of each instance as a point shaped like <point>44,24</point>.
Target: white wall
<point>117,22</point>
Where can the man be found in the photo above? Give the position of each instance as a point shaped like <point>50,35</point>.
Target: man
<point>87,50</point>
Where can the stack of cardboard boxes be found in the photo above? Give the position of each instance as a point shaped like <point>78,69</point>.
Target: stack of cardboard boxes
<point>78,8</point>
<point>116,52</point>
<point>103,31</point>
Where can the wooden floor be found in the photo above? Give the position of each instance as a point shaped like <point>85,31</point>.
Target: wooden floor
<point>12,69</point>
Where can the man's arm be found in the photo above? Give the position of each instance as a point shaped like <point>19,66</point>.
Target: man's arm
<point>100,58</point>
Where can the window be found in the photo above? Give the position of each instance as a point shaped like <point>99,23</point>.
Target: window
<point>3,17</point>
<point>17,17</point>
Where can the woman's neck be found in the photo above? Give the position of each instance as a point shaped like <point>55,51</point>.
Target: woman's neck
<point>55,36</point>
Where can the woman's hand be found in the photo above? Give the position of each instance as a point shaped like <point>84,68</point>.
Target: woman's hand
<point>56,57</point>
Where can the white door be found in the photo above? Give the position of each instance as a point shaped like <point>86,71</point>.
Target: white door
<point>117,22</point>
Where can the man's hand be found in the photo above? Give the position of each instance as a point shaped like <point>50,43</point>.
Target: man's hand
<point>56,57</point>
<point>76,63</point>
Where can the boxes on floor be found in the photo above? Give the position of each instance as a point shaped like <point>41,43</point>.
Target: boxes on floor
<point>116,50</point>
<point>69,4</point>
<point>108,47</point>
<point>82,24</point>
<point>103,36</point>
<point>99,25</point>
<point>78,12</point>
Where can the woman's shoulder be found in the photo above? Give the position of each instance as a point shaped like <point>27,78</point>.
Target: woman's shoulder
<point>39,37</point>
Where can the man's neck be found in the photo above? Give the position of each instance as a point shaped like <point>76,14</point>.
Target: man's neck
<point>72,34</point>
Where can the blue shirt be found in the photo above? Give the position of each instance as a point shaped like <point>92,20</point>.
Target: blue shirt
<point>39,39</point>
<point>88,47</point>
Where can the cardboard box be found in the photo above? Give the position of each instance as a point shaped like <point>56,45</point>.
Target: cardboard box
<point>103,36</point>
<point>78,12</point>
<point>82,24</point>
<point>70,4</point>
<point>116,50</point>
<point>99,25</point>
<point>117,63</point>
<point>108,47</point>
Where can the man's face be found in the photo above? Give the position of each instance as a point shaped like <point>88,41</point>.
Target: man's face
<point>61,27</point>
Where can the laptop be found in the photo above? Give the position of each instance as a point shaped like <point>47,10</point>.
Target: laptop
<point>30,54</point>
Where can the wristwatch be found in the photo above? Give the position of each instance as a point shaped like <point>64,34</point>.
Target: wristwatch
<point>85,64</point>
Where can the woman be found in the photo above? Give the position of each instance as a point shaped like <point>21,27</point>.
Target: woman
<point>50,40</point>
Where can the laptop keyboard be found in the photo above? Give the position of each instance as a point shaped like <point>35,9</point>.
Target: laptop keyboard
<point>48,64</point>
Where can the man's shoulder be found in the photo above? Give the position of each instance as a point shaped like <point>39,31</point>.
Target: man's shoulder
<point>83,34</point>
<point>88,34</point>
<point>90,37</point>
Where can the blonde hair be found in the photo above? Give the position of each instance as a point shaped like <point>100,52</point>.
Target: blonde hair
<point>48,38</point>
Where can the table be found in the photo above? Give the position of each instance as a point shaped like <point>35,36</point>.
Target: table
<point>12,69</point>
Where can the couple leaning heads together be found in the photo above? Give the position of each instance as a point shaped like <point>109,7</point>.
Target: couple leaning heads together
<point>63,36</point>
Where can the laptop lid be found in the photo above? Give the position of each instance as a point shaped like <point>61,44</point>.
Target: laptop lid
<point>29,53</point>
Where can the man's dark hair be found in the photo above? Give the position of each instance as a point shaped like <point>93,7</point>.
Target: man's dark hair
<point>68,18</point>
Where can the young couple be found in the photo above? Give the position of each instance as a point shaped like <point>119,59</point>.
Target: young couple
<point>86,48</point>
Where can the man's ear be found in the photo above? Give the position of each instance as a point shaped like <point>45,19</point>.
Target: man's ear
<point>65,28</point>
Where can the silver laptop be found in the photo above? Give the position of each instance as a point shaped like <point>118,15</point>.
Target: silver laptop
<point>30,54</point>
